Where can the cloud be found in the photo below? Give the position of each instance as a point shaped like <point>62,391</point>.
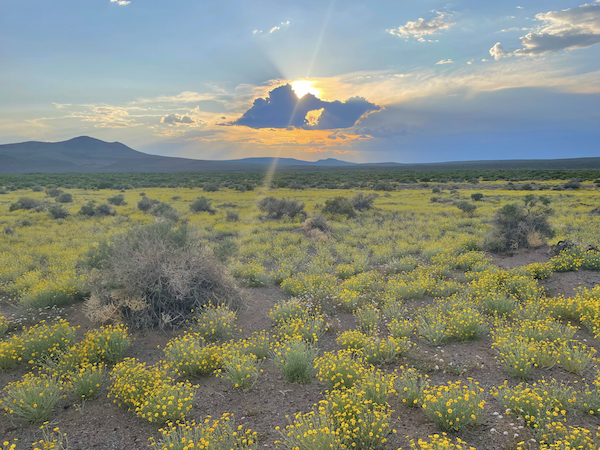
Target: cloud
<point>283,109</point>
<point>445,61</point>
<point>498,52</point>
<point>273,29</point>
<point>256,31</point>
<point>312,117</point>
<point>421,27</point>
<point>176,119</point>
<point>120,2</point>
<point>568,29</point>
<point>384,131</point>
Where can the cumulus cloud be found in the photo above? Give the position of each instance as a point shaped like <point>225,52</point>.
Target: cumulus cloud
<point>445,61</point>
<point>568,29</point>
<point>256,31</point>
<point>498,52</point>
<point>422,27</point>
<point>121,2</point>
<point>283,109</point>
<point>176,119</point>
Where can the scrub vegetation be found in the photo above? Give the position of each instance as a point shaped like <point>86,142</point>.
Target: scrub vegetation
<point>446,310</point>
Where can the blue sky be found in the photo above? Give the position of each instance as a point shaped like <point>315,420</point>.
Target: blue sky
<point>403,81</point>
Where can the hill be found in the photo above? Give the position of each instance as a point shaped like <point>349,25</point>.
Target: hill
<point>85,155</point>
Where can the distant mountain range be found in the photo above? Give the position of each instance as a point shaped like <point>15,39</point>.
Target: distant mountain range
<point>294,162</point>
<point>86,154</point>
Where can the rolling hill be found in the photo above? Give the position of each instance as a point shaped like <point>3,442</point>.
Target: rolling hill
<point>85,154</point>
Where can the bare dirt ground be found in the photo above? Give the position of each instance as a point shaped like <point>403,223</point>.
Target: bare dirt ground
<point>522,257</point>
<point>100,424</point>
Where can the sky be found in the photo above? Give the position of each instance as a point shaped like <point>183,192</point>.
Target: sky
<point>359,81</point>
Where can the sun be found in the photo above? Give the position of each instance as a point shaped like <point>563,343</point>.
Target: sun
<point>303,87</point>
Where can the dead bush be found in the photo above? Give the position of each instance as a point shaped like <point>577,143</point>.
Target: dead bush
<point>317,235</point>
<point>535,240</point>
<point>317,222</point>
<point>156,276</point>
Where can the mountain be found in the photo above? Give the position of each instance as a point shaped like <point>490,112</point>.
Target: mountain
<point>86,154</point>
<point>295,162</point>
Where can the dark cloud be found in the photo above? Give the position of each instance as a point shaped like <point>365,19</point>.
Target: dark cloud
<point>283,109</point>
<point>173,119</point>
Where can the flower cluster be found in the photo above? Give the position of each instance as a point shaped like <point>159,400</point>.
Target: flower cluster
<point>537,404</point>
<point>214,323</point>
<point>454,405</point>
<point>218,434</point>
<point>339,369</point>
<point>191,356</point>
<point>437,442</point>
<point>167,402</point>
<point>33,397</point>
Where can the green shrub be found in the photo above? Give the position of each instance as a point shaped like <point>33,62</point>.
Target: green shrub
<point>27,203</point>
<point>368,319</point>
<point>42,341</point>
<point>33,398</point>
<point>117,200</point>
<point>211,187</point>
<point>88,210</point>
<point>65,197</point>
<point>514,224</point>
<point>231,216</point>
<point>211,434</point>
<point>165,211</point>
<point>225,250</point>
<point>339,206</point>
<point>241,370</point>
<point>201,204</point>
<point>104,210</point>
<point>362,202</point>
<point>466,207</point>
<point>58,212</point>
<point>296,360</point>
<point>146,204</point>
<point>276,209</point>
<point>53,191</point>
<point>86,381</point>
<point>214,323</point>
<point>477,197</point>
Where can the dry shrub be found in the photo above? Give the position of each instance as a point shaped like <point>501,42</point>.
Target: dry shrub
<point>317,228</point>
<point>156,276</point>
<point>317,235</point>
<point>317,222</point>
<point>514,223</point>
<point>535,240</point>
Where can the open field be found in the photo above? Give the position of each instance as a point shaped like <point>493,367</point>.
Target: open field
<point>413,327</point>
